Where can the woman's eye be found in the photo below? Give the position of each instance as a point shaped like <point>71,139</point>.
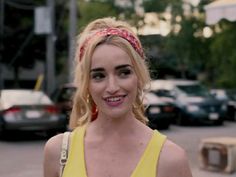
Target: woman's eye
<point>125,72</point>
<point>97,76</point>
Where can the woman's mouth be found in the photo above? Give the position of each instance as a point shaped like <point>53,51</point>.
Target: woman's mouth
<point>115,100</point>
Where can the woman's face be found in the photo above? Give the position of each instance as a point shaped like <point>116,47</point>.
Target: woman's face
<point>113,83</point>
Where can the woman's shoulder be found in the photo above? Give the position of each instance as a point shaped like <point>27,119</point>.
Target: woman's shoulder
<point>173,161</point>
<point>54,143</point>
<point>170,147</point>
<point>52,150</point>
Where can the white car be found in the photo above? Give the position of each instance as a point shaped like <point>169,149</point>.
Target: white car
<point>29,110</point>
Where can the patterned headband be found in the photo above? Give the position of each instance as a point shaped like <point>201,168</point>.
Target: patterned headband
<point>115,32</point>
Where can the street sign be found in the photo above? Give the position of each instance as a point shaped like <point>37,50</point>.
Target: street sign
<point>42,20</point>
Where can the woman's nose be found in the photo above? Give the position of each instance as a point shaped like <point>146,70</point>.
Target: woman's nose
<point>112,85</point>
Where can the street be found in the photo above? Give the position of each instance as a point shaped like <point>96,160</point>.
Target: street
<point>190,137</point>
<point>23,156</point>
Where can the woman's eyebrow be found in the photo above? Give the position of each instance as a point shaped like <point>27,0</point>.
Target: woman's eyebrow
<point>123,66</point>
<point>99,69</point>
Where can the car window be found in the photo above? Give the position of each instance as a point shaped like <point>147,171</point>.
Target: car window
<point>232,94</point>
<point>193,90</point>
<point>164,93</point>
<point>66,94</point>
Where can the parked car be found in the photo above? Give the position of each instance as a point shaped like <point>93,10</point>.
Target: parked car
<point>228,96</point>
<point>220,94</point>
<point>29,110</point>
<point>62,97</point>
<point>231,105</point>
<point>193,101</point>
<point>159,112</point>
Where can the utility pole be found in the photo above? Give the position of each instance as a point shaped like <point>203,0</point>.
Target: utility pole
<point>72,36</point>
<point>1,42</point>
<point>50,54</point>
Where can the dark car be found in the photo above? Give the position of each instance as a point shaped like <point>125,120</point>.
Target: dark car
<point>193,101</point>
<point>231,105</point>
<point>62,97</point>
<point>29,110</point>
<point>228,96</point>
<point>159,112</point>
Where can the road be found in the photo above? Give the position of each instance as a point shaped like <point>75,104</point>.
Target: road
<point>190,138</point>
<point>22,155</point>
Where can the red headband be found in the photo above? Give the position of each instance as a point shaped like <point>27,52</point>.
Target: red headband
<point>116,32</point>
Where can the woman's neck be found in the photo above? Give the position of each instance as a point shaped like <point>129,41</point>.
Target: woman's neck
<point>105,127</point>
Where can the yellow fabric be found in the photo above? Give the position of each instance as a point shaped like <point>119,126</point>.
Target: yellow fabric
<point>75,166</point>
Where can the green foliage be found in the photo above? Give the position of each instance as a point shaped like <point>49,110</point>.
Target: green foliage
<point>19,41</point>
<point>189,46</point>
<point>106,8</point>
<point>154,5</point>
<point>93,10</point>
<point>191,51</point>
<point>223,55</point>
<point>185,49</point>
<point>161,5</point>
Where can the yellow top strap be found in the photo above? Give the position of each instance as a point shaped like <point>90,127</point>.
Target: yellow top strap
<point>64,151</point>
<point>75,165</point>
<point>147,165</point>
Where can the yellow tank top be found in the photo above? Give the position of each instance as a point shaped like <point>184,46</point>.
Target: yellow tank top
<point>147,166</point>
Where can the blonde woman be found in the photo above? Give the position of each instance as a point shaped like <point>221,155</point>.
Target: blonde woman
<point>109,135</point>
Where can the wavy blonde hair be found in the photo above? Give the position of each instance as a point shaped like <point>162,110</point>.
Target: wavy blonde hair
<point>82,102</point>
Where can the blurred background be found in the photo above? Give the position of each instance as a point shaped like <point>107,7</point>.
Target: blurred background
<point>38,37</point>
<point>190,47</point>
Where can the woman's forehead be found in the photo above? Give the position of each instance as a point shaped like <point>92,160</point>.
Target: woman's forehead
<point>109,54</point>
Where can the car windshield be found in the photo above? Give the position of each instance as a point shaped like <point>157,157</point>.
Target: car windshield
<point>23,97</point>
<point>193,90</point>
<point>232,94</point>
<point>67,94</point>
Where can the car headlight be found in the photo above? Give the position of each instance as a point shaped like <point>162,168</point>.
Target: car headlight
<point>192,108</point>
<point>10,117</point>
<point>154,110</point>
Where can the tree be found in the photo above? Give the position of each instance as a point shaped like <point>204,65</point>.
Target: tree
<point>185,43</point>
<point>19,40</point>
<point>21,47</point>
<point>105,8</point>
<point>223,55</point>
<point>96,9</point>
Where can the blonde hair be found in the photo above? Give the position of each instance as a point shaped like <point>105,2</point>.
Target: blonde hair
<point>82,102</point>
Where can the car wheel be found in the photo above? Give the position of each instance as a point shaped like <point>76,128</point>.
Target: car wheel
<point>165,126</point>
<point>219,122</point>
<point>179,119</point>
<point>3,134</point>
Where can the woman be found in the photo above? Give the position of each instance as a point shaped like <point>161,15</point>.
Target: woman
<point>109,137</point>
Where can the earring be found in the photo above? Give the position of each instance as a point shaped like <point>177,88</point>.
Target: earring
<point>87,99</point>
<point>94,109</point>
<point>94,112</point>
